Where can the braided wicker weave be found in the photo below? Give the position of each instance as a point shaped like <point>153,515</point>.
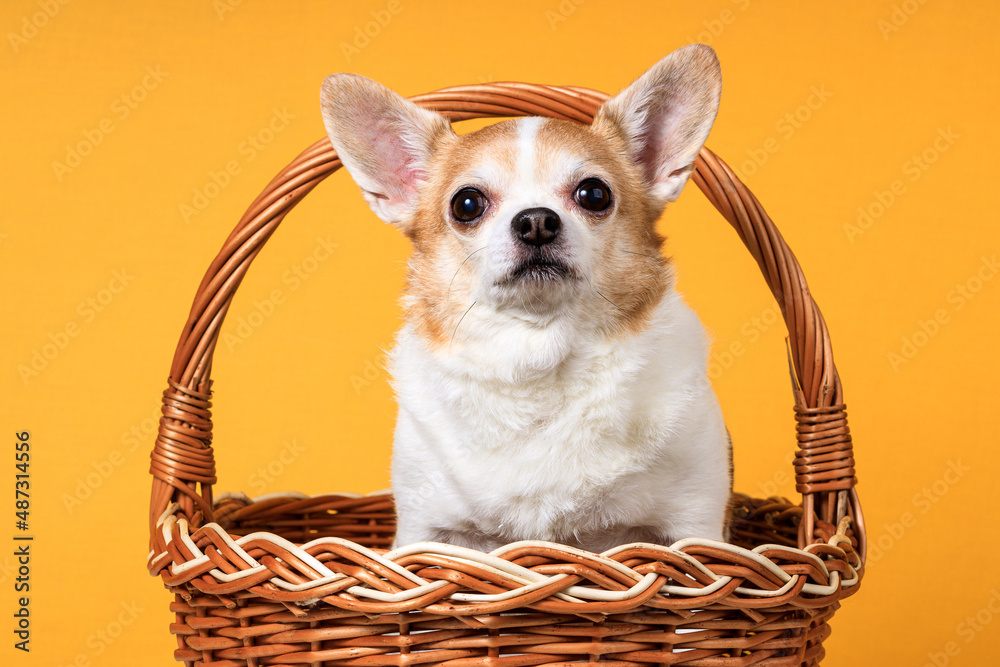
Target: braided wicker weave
<point>295,580</point>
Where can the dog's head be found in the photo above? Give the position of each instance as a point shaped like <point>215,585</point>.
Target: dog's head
<point>532,218</point>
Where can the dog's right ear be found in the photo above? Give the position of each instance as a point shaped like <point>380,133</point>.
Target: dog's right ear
<point>384,140</point>
<point>665,116</point>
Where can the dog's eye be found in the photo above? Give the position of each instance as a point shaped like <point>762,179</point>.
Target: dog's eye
<point>468,205</point>
<point>593,195</point>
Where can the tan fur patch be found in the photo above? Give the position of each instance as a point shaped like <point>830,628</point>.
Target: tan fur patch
<point>432,303</point>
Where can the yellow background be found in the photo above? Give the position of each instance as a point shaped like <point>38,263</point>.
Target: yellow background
<point>869,85</point>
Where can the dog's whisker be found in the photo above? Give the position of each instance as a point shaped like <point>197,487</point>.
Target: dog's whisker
<point>455,330</point>
<point>598,292</point>
<point>448,298</point>
<point>609,300</point>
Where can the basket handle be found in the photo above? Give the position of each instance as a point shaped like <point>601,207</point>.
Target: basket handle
<point>183,465</point>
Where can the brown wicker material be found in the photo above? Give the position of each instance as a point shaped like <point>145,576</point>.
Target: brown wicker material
<point>296,580</point>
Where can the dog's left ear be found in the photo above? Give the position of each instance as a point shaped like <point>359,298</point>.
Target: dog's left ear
<point>665,116</point>
<point>384,140</point>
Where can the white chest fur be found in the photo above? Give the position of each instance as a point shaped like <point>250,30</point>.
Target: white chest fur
<point>525,432</point>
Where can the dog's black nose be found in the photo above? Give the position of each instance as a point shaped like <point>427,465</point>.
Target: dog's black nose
<point>536,226</point>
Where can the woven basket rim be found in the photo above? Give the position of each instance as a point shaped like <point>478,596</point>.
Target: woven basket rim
<point>810,578</point>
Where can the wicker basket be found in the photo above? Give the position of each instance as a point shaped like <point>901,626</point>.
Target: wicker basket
<point>295,580</point>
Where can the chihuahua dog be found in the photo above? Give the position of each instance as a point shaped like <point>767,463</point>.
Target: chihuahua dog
<point>551,382</point>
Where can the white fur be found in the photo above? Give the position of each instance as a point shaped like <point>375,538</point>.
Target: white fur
<point>581,444</point>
